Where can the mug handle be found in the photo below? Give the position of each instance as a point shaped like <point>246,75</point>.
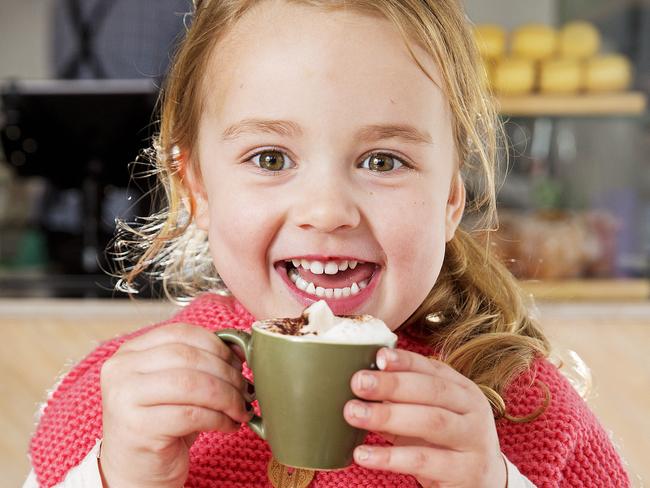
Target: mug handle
<point>243,340</point>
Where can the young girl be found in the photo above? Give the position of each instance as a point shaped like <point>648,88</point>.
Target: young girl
<point>322,149</point>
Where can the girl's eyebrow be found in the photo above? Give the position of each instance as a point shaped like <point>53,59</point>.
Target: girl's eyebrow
<point>367,133</point>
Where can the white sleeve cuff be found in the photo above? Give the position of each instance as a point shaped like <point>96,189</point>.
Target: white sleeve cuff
<point>514,478</point>
<point>84,475</point>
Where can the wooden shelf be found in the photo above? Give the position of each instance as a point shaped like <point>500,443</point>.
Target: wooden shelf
<point>580,290</point>
<point>626,103</point>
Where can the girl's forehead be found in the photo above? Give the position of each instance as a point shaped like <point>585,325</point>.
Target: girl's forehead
<point>277,48</point>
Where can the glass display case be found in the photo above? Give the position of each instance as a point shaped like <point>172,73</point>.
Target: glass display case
<point>67,178</point>
<point>575,206</point>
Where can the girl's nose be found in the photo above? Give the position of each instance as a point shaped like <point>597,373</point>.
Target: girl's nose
<point>326,205</point>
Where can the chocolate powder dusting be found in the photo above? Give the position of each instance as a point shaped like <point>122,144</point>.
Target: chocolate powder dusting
<point>292,326</point>
<point>287,326</point>
<point>356,317</point>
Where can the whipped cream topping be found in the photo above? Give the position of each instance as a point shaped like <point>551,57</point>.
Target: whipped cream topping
<point>323,326</point>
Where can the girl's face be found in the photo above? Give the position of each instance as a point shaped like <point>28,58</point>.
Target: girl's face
<point>322,142</point>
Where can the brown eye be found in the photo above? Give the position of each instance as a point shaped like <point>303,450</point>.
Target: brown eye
<point>381,163</point>
<point>271,160</point>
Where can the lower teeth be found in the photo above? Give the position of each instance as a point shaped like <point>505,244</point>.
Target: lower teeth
<point>326,292</point>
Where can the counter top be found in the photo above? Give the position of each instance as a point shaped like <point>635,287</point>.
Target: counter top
<point>70,308</point>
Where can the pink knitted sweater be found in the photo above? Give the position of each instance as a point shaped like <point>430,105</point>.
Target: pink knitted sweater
<point>565,446</point>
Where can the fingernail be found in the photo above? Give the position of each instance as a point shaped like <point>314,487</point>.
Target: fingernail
<point>366,381</point>
<point>362,453</point>
<point>381,361</point>
<point>385,356</point>
<point>358,410</point>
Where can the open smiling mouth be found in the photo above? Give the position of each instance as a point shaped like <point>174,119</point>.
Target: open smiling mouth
<point>334,280</point>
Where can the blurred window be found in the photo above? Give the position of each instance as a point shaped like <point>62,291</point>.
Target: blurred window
<point>115,38</point>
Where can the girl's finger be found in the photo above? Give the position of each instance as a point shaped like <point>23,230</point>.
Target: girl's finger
<point>401,360</point>
<point>180,356</point>
<point>434,425</point>
<point>187,387</point>
<point>398,440</point>
<point>428,463</point>
<point>415,388</point>
<point>183,420</point>
<point>191,335</point>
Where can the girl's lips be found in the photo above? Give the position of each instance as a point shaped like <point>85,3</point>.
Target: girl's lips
<point>339,306</point>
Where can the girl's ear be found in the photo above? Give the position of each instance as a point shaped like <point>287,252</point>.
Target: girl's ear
<point>198,196</point>
<point>455,206</point>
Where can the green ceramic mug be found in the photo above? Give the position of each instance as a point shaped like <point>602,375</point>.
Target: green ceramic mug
<point>302,388</point>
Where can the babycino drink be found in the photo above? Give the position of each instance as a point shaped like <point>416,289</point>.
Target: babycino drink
<point>318,324</point>
<point>302,368</point>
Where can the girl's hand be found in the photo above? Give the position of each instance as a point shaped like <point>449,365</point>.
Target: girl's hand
<point>440,423</point>
<point>159,391</point>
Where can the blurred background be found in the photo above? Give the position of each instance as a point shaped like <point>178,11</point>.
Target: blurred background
<point>78,86</point>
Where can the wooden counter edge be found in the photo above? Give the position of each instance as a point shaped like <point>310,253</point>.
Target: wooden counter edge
<point>597,289</point>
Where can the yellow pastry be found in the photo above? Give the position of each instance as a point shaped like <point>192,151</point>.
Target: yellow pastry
<point>561,76</point>
<point>579,40</point>
<point>491,40</point>
<point>611,72</point>
<point>534,41</point>
<point>514,76</point>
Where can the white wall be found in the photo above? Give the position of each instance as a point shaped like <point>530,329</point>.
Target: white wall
<point>24,37</point>
<point>511,13</point>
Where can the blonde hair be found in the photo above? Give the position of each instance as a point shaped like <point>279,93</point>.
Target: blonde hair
<point>475,315</point>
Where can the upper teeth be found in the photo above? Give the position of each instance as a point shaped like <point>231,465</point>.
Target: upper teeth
<point>329,267</point>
